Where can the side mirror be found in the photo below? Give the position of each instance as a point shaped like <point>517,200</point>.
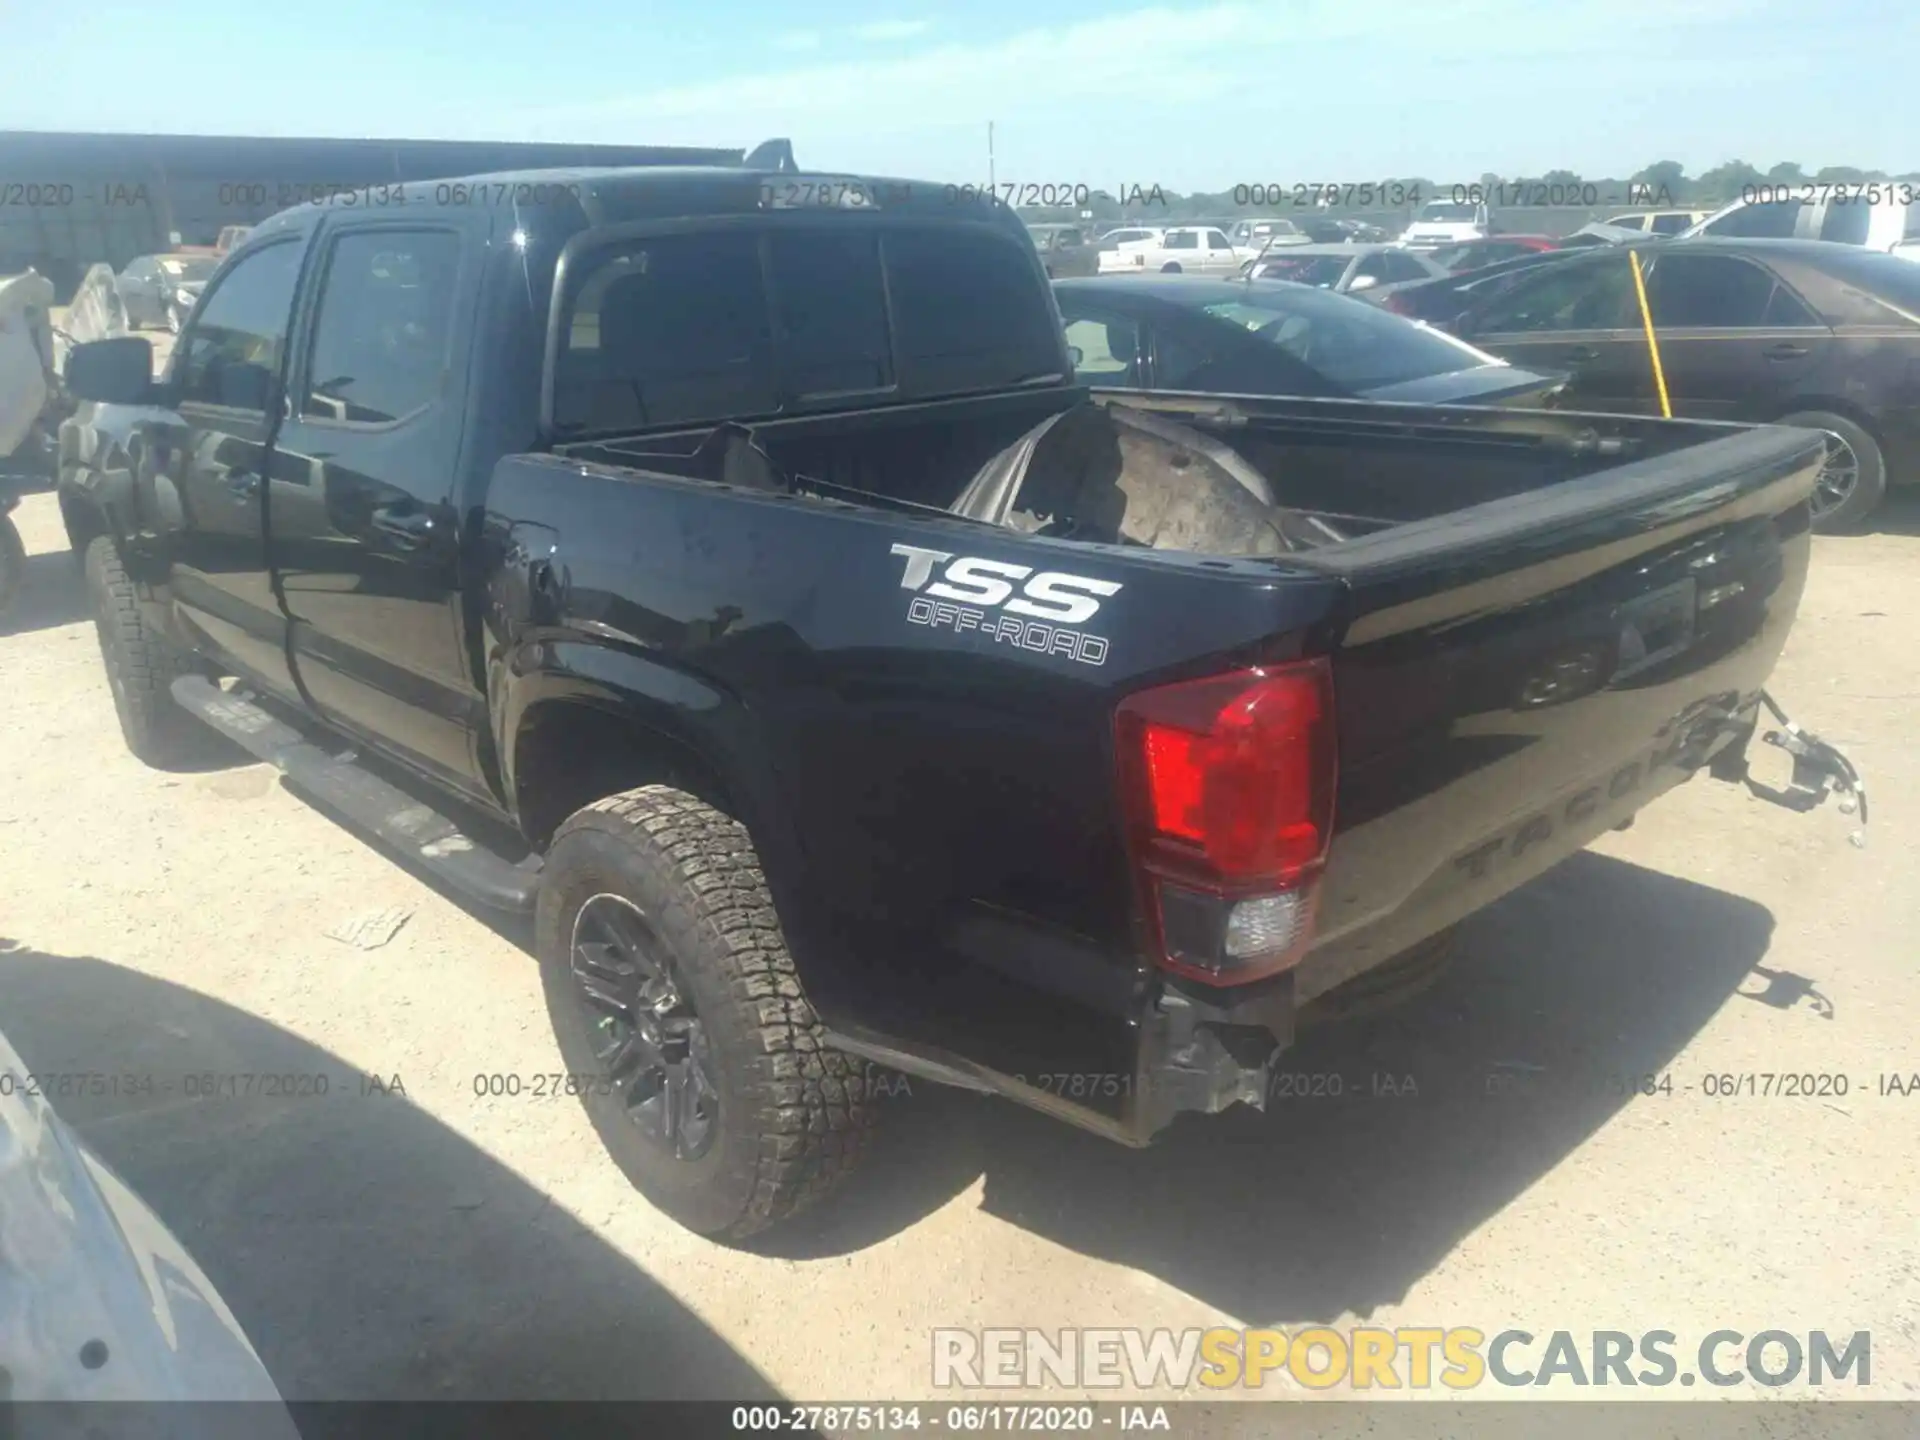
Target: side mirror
<point>1364,282</point>
<point>1076,355</point>
<point>117,371</point>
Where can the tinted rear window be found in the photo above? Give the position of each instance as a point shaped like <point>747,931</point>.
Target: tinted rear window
<point>684,329</point>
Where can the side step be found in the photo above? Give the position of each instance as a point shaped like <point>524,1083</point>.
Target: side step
<point>429,838</point>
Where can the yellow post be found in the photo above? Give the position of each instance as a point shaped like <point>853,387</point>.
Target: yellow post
<point>1653,345</point>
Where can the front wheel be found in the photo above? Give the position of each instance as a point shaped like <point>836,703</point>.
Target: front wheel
<point>1853,477</point>
<point>1172,267</point>
<point>13,563</point>
<point>141,664</point>
<point>681,1019</point>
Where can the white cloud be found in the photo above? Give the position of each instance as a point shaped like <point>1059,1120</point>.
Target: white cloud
<point>892,29</point>
<point>798,40</point>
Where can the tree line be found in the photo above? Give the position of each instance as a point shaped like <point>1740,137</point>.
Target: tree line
<point>1665,183</point>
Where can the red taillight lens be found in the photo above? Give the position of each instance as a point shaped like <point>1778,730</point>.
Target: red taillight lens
<point>1229,785</point>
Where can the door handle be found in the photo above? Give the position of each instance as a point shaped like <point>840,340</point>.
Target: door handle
<point>1786,352</point>
<point>408,528</point>
<point>243,484</point>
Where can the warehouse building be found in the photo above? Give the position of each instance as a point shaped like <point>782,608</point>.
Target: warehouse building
<point>70,200</point>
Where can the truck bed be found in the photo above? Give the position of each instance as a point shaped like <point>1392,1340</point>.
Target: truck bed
<point>1536,623</point>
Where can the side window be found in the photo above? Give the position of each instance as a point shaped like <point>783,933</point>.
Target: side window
<point>1578,297</point>
<point>1399,267</point>
<point>1774,220</point>
<point>237,338</point>
<point>1670,224</point>
<point>970,311</point>
<point>1106,350</point>
<point>1175,361</point>
<point>386,315</point>
<point>1786,310</point>
<point>830,313</point>
<point>668,330</point>
<point>1708,291</point>
<point>1066,239</point>
<point>1846,221</point>
<point>1183,240</point>
<point>1217,241</point>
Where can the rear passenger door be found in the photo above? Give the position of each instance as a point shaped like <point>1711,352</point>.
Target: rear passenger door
<point>364,535</point>
<point>1735,342</point>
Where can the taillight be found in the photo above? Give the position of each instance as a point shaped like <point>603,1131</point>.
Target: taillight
<point>1228,788</point>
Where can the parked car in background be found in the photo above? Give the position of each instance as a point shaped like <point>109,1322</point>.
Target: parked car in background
<point>1183,332</point>
<point>1800,332</point>
<point>1188,249</point>
<point>1342,267</point>
<point>1657,222</point>
<point>1323,231</point>
<point>1255,235</point>
<point>1445,222</point>
<point>230,237</point>
<point>1599,232</point>
<point>1875,223</point>
<point>161,289</point>
<point>1114,236</point>
<point>1064,249</point>
<point>1472,254</point>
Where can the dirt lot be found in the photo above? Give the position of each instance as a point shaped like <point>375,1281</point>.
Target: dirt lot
<point>445,1244</point>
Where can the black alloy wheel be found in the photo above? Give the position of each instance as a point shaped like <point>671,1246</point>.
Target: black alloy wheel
<point>646,1033</point>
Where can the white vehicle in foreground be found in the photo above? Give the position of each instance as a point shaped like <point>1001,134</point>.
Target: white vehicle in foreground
<point>1180,249</point>
<point>98,1300</point>
<point>1446,222</point>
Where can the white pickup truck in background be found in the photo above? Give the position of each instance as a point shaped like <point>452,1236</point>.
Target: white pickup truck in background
<point>1192,249</point>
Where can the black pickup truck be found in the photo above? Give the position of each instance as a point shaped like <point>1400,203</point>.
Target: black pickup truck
<point>723,565</point>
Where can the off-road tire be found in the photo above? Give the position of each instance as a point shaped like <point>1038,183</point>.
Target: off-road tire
<point>141,665</point>
<point>794,1116</point>
<point>13,565</point>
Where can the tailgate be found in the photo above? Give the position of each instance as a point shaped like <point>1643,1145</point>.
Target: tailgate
<point>1516,678</point>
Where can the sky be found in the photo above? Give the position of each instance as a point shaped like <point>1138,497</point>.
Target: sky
<point>1200,96</point>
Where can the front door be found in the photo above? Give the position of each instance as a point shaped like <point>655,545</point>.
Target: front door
<point>1580,319</point>
<point>224,386</point>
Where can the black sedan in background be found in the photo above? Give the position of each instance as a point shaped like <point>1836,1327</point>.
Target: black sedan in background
<point>1265,337</point>
<point>161,289</point>
<point>1803,332</point>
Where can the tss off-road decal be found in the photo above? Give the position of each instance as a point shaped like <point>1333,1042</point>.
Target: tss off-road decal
<point>980,595</point>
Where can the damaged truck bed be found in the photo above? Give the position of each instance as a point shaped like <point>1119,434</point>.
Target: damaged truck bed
<point>739,581</point>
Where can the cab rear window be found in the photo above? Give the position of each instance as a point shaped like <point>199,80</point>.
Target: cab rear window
<point>690,328</point>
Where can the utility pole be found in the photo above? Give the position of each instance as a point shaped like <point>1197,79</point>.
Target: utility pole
<point>991,185</point>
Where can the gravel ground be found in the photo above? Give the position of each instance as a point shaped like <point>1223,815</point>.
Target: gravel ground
<point>448,1244</point>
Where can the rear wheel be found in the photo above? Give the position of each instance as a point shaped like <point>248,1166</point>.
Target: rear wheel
<point>682,1021</point>
<point>141,664</point>
<point>1172,267</point>
<point>1853,479</point>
